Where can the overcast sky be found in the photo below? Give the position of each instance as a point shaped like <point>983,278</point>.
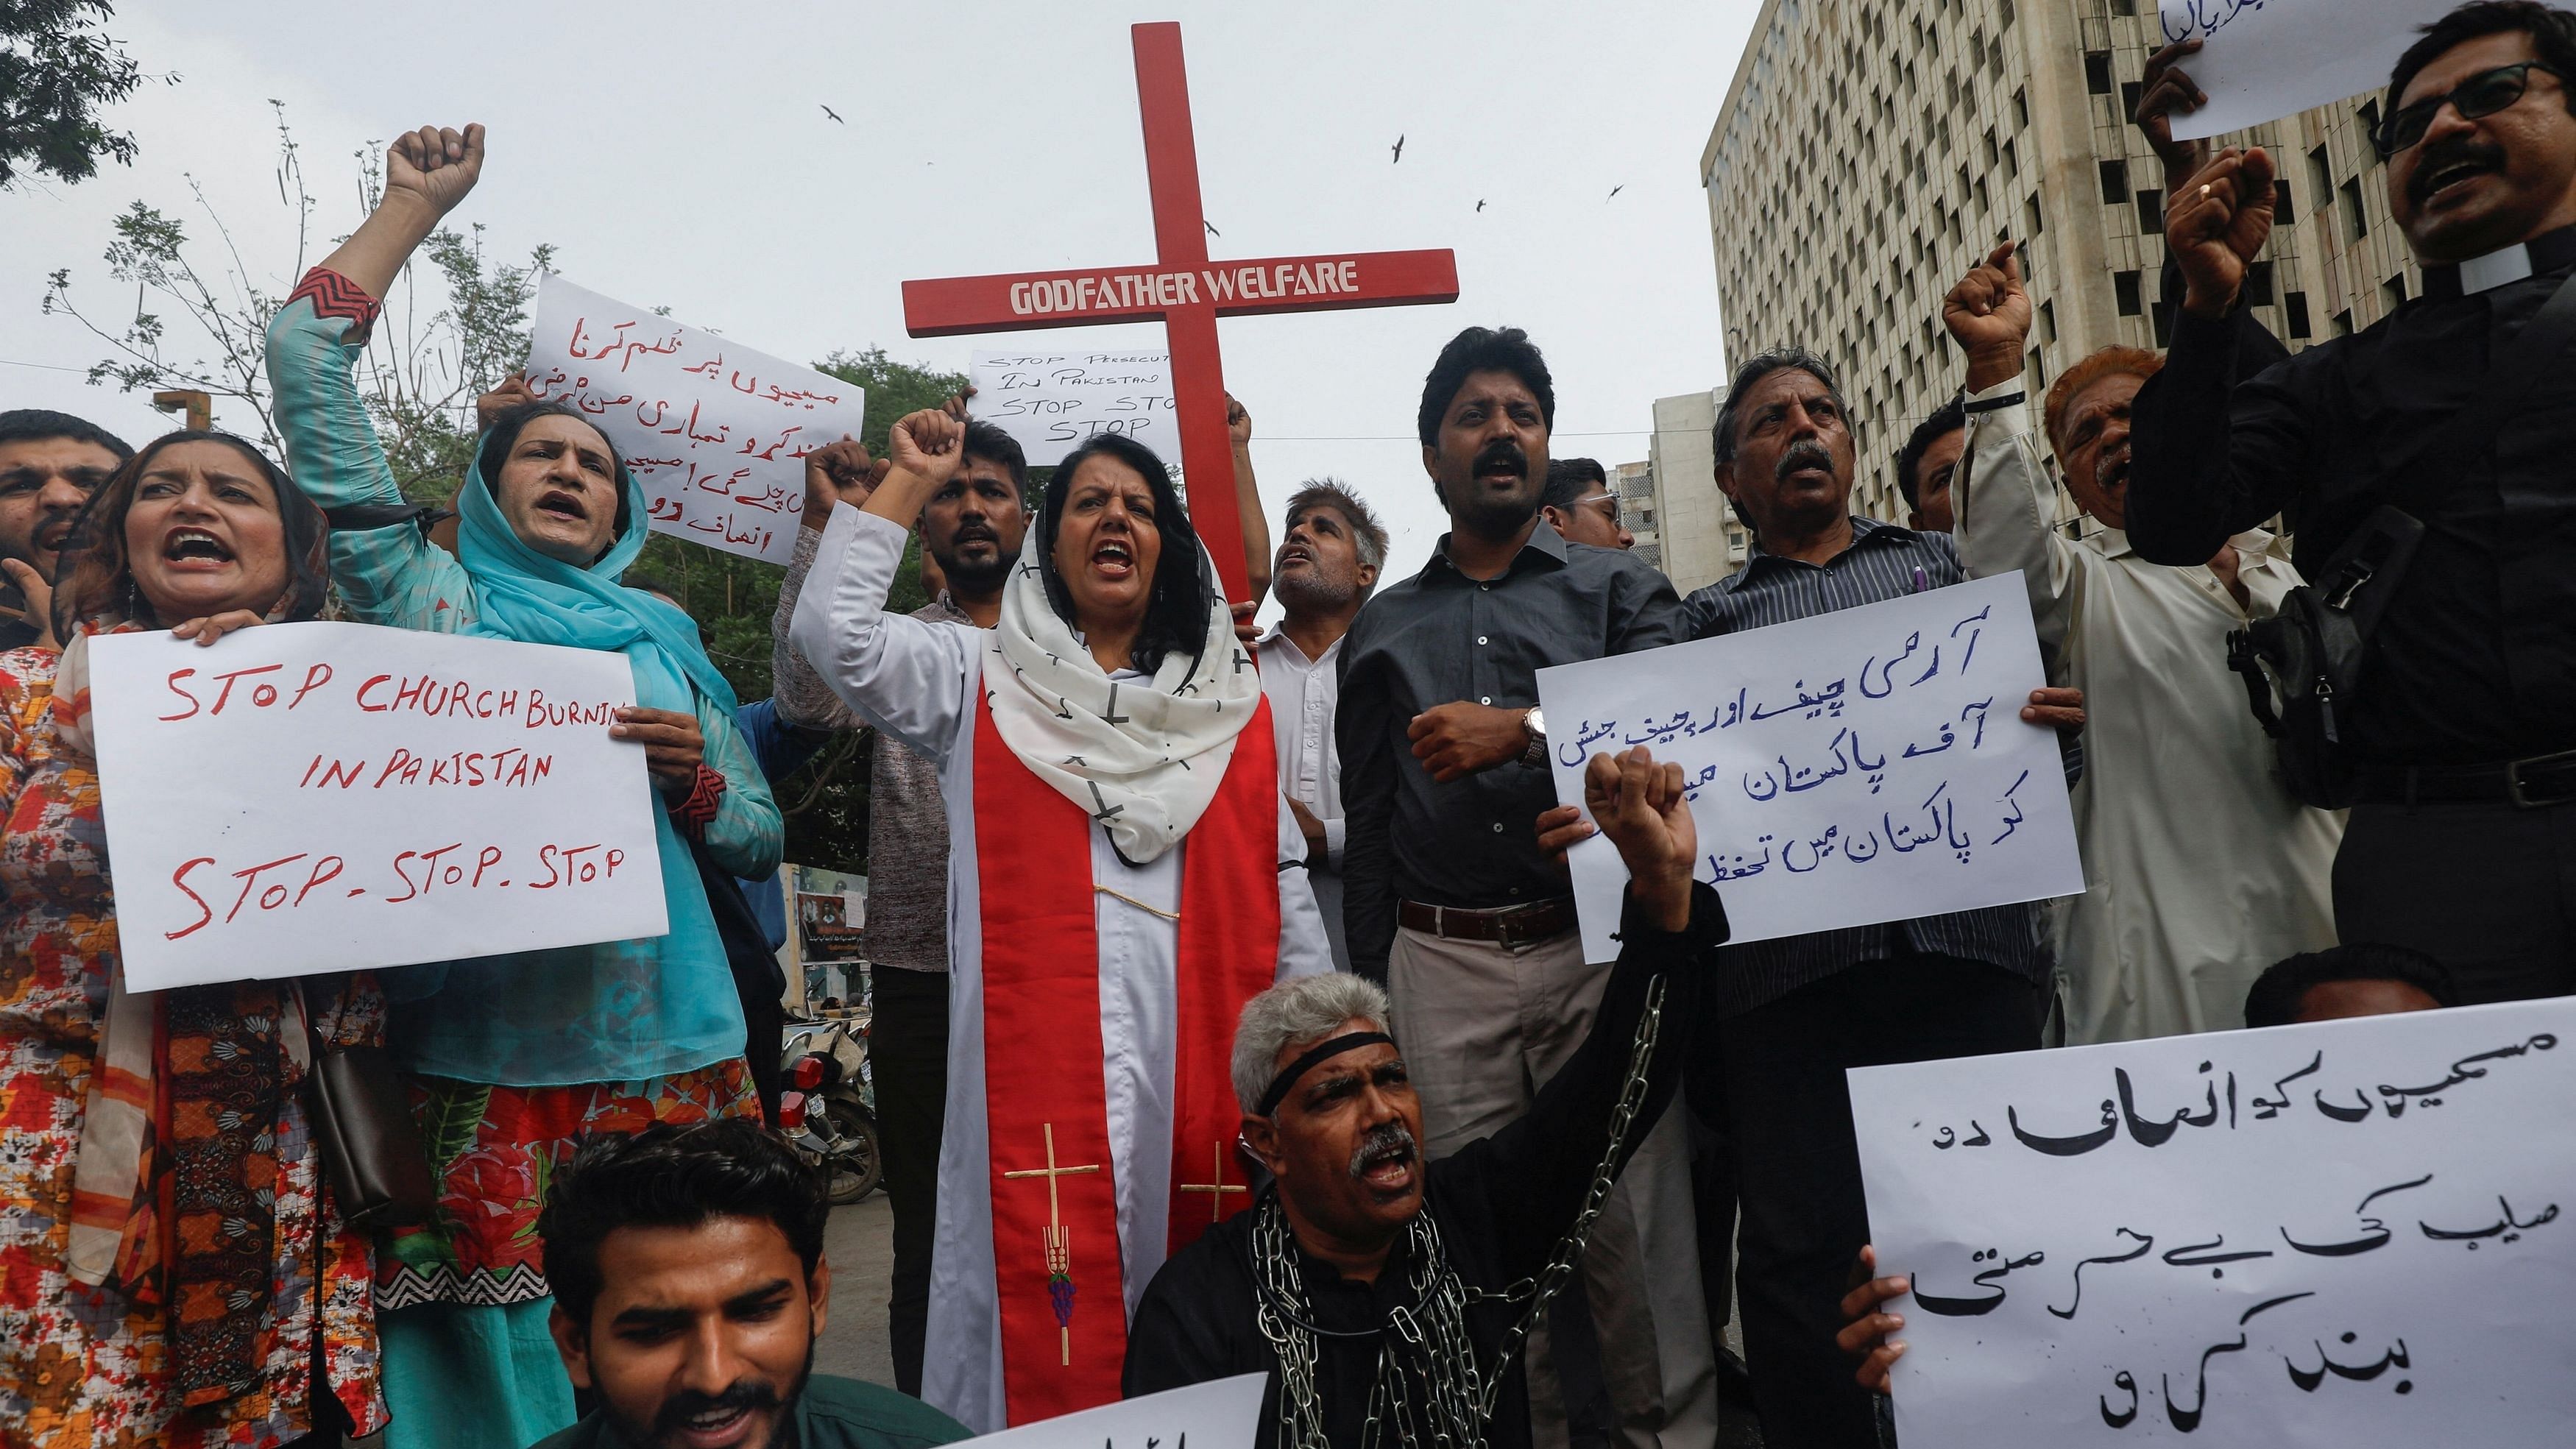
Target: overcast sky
<point>679,156</point>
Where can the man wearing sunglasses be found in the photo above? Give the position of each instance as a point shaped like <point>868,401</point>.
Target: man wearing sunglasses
<point>2462,726</point>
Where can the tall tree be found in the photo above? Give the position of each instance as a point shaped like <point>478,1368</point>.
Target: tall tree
<point>56,70</point>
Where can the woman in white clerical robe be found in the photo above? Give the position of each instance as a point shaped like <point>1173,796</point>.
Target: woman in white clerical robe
<point>1123,876</point>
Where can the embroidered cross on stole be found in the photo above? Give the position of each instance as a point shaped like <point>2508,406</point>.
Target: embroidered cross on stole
<point>1056,1250</point>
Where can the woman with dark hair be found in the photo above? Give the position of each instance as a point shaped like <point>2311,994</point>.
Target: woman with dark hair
<point>174,1268</point>
<point>1123,877</point>
<point>516,1056</point>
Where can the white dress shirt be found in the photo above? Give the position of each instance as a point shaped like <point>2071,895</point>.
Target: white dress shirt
<point>1304,694</point>
<point>2200,869</point>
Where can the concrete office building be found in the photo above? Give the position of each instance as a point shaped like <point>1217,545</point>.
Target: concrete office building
<point>1869,151</point>
<point>1634,483</point>
<point>1700,538</point>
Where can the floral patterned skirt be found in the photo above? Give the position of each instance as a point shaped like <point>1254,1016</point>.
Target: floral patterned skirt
<point>496,1148</point>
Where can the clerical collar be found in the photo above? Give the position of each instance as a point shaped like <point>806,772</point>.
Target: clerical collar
<point>2553,251</point>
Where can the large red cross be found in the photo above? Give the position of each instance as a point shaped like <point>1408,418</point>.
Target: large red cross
<point>1186,291</point>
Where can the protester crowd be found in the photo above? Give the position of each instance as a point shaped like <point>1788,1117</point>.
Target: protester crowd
<point>1364,1118</point>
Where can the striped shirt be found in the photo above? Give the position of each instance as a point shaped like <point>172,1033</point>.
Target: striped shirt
<point>1883,562</point>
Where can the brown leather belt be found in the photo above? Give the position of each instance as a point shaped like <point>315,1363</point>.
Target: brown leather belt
<point>1502,925</point>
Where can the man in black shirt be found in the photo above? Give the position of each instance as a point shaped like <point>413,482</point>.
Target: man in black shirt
<point>1371,1287</point>
<point>1447,900</point>
<point>2463,841</point>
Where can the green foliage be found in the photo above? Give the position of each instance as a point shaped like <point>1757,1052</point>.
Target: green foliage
<point>56,70</point>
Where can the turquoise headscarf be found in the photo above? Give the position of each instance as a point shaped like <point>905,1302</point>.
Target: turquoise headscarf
<point>622,1010</point>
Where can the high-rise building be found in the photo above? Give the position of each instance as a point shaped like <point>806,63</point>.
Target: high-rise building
<point>1697,532</point>
<point>1870,151</point>
<point>1634,485</point>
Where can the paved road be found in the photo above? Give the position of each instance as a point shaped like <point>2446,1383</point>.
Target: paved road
<point>859,1244</point>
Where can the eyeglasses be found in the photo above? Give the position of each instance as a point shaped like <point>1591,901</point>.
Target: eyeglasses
<point>1607,502</point>
<point>2482,94</point>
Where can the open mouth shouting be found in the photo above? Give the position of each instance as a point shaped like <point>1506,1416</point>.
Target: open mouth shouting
<point>1292,553</point>
<point>562,504</point>
<point>194,550</point>
<point>1502,464</point>
<point>1113,558</point>
<point>2450,176</point>
<point>1385,1160</point>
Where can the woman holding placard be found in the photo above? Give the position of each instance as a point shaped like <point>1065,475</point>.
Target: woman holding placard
<point>175,1266</point>
<point>517,1056</point>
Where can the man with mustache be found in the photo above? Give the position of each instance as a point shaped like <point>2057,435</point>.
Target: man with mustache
<point>50,463</point>
<point>690,1287</point>
<point>971,531</point>
<point>2461,727</point>
<point>1368,1282</point>
<point>1328,565</point>
<point>2184,909</point>
<point>1788,1016</point>
<point>1448,899</point>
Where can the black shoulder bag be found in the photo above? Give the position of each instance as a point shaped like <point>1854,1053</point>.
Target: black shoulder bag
<point>2302,665</point>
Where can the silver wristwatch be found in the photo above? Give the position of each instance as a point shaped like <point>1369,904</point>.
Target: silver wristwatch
<point>1535,722</point>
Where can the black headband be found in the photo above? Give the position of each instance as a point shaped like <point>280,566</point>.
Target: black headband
<point>1289,1074</point>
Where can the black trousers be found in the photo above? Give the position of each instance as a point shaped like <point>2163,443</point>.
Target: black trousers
<point>2487,889</point>
<point>1797,1167</point>
<point>908,1055</point>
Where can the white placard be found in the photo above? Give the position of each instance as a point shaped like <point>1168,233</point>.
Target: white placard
<point>1053,402</point>
<point>716,432</point>
<point>1218,1414</point>
<point>2354,1234</point>
<point>2261,60</point>
<point>319,797</point>
<point>1865,765</point>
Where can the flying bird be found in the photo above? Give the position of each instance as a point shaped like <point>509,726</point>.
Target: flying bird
<point>835,115</point>
<point>1211,227</point>
<point>1480,203</point>
<point>1399,151</point>
<point>1615,190</point>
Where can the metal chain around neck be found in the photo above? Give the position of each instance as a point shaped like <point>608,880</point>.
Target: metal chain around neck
<point>1429,1389</point>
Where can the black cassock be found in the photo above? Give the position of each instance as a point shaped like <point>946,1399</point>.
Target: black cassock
<point>1501,1203</point>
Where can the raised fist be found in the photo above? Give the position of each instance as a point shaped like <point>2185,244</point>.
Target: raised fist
<point>928,444</point>
<point>513,392</point>
<point>1988,315</point>
<point>836,473</point>
<point>2216,225</point>
<point>435,165</point>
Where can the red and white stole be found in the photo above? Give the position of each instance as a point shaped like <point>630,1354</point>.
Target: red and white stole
<point>1056,1253</point>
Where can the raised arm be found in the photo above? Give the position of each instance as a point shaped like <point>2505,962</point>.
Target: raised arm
<point>387,571</point>
<point>2210,458</point>
<point>426,174</point>
<point>1247,502</point>
<point>836,474</point>
<point>2005,503</point>
<point>907,676</point>
<point>1529,1179</point>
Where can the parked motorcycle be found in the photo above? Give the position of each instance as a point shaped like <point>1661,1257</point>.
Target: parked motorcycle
<point>828,1109</point>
